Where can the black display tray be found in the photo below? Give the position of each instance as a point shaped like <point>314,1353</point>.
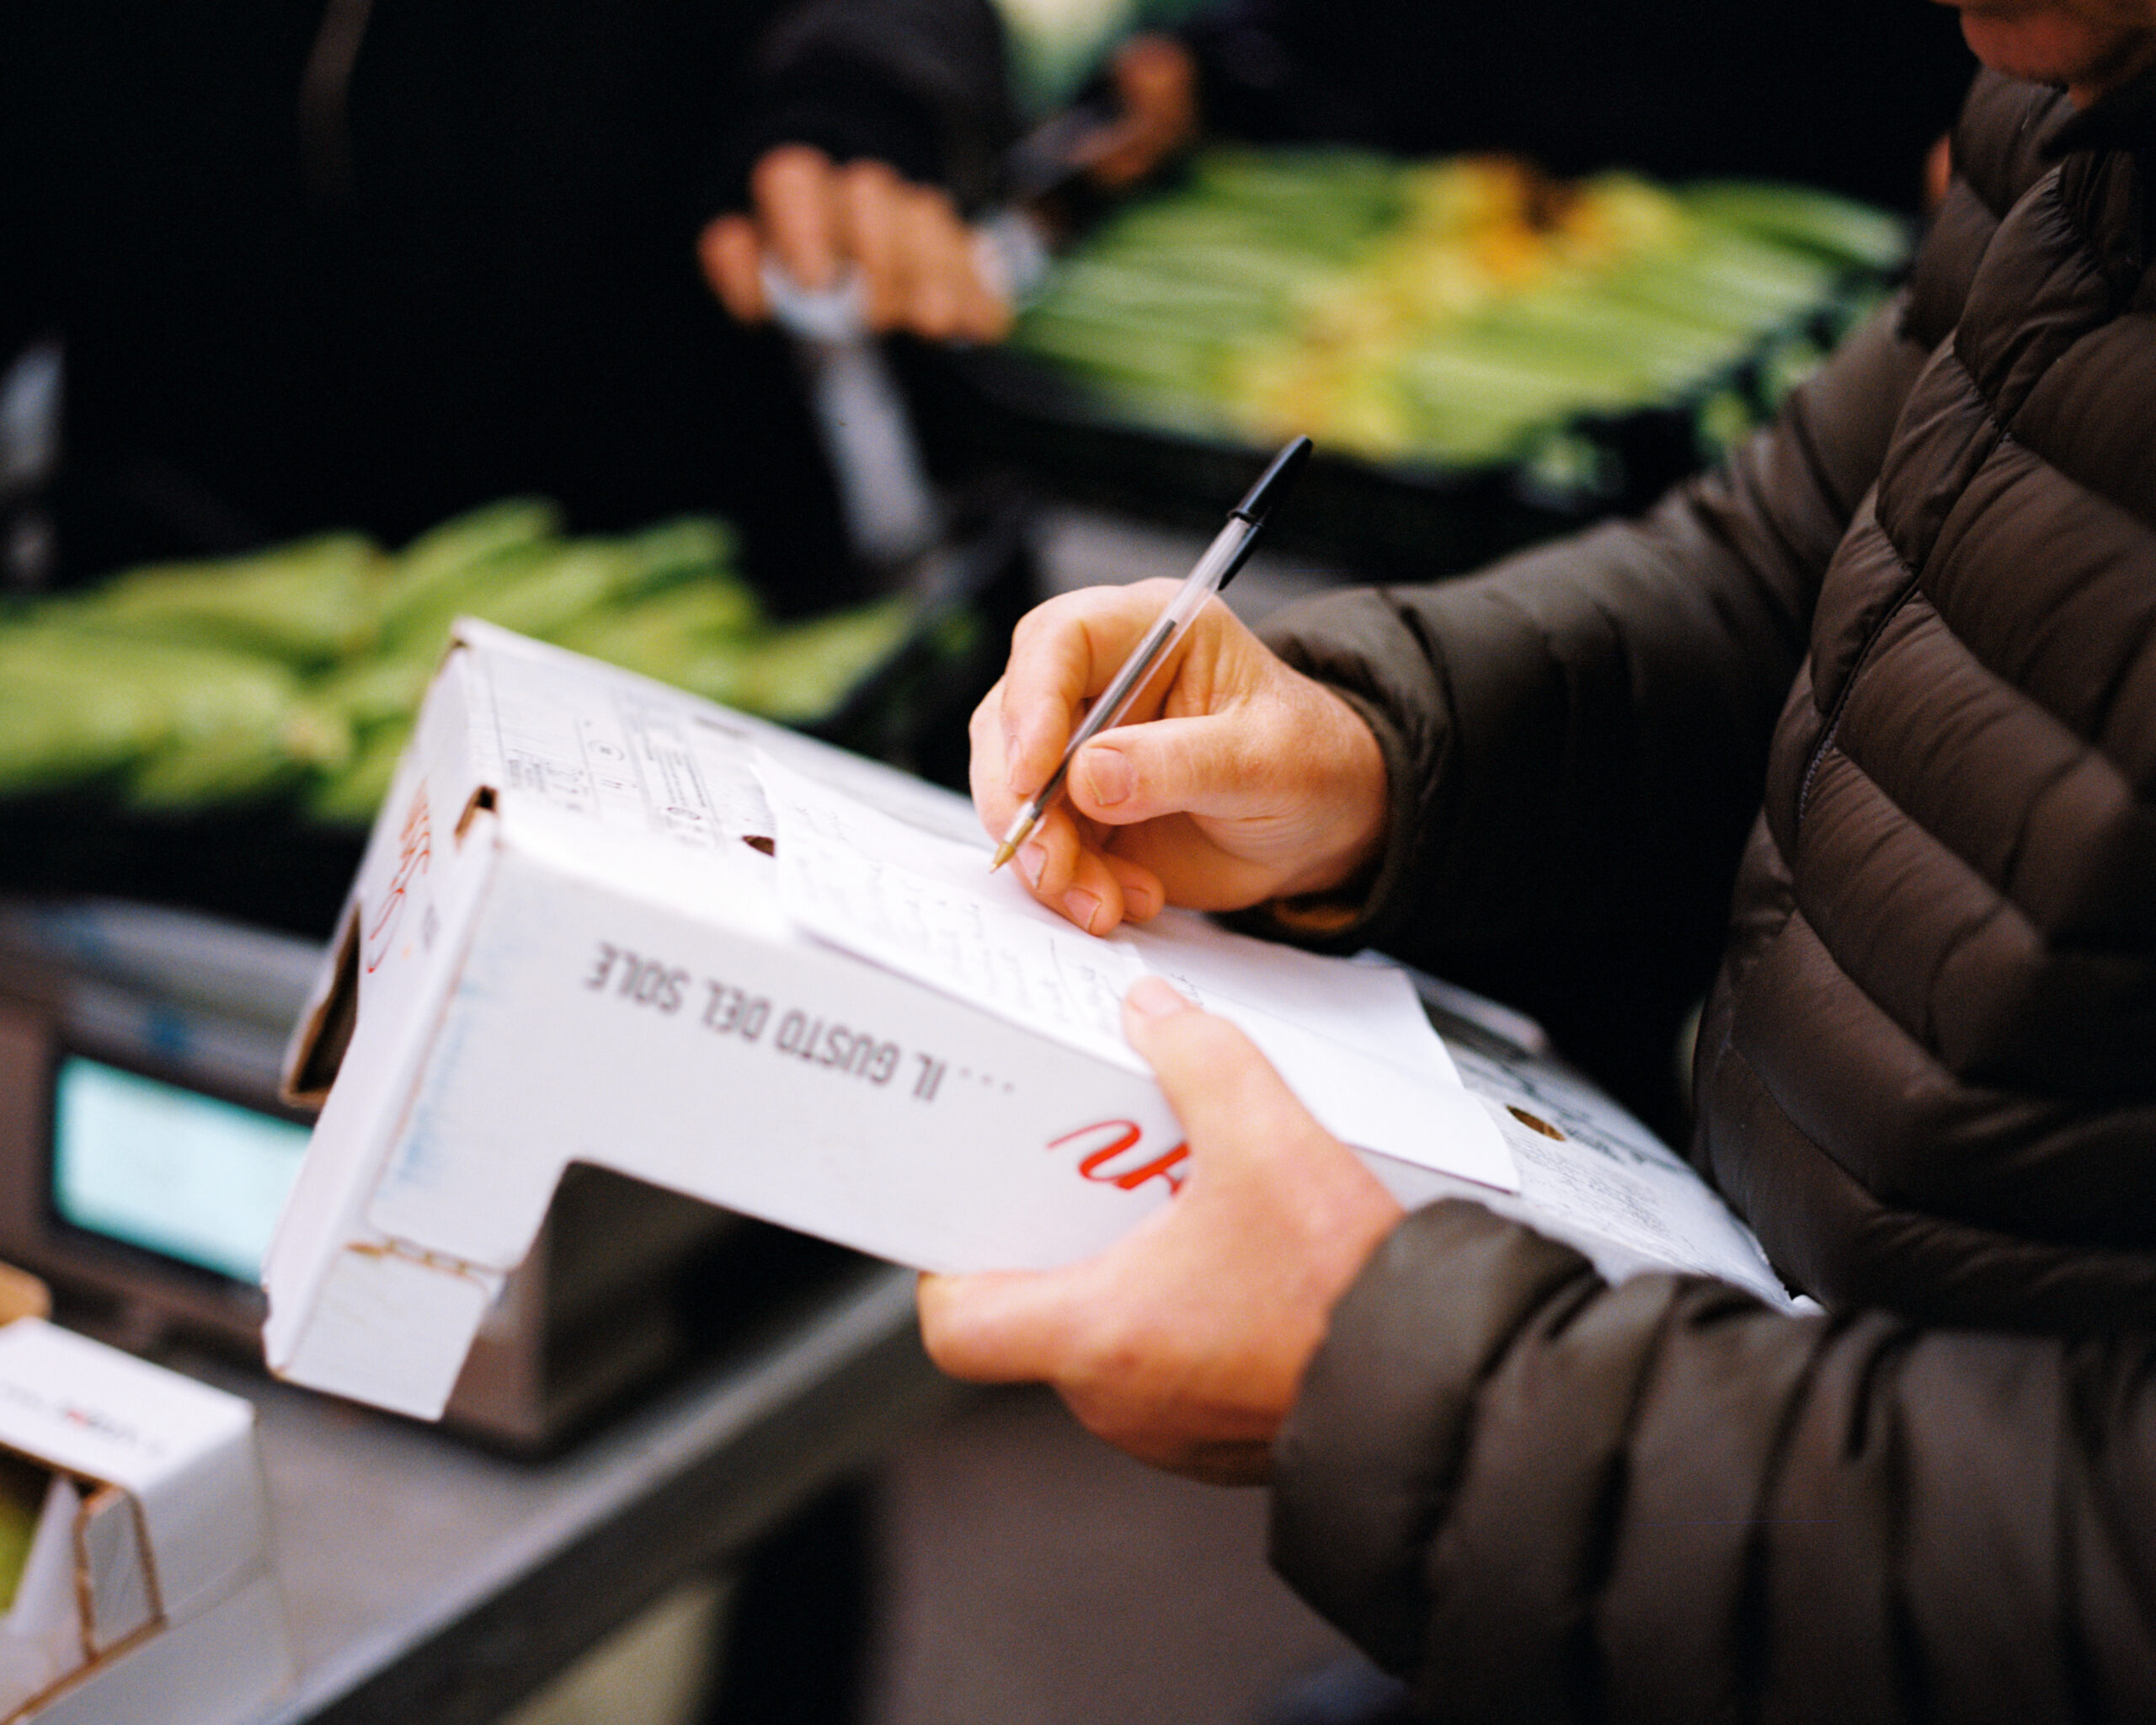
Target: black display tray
<point>259,863</point>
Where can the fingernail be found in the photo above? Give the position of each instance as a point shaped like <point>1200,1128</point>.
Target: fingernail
<point>1107,775</point>
<point>1154,997</point>
<point>1033,859</point>
<point>1081,907</point>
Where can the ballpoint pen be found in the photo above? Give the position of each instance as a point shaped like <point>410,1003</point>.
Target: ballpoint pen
<point>1224,556</point>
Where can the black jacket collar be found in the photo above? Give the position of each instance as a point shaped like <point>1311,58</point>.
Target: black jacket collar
<point>2123,120</point>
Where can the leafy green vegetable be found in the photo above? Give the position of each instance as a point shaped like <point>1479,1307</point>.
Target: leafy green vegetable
<point>1457,311</point>
<point>297,673</point>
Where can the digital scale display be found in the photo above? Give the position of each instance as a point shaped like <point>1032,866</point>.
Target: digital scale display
<point>168,1169</point>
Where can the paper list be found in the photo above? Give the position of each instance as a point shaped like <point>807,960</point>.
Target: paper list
<point>1350,1039</point>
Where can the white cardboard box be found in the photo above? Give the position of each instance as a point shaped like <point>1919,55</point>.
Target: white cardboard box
<point>563,946</point>
<point>572,939</point>
<point>149,1597</point>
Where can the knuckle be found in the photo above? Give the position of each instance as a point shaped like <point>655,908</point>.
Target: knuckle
<point>1109,1349</point>
<point>870,182</point>
<point>786,162</point>
<point>1040,629</point>
<point>935,317</point>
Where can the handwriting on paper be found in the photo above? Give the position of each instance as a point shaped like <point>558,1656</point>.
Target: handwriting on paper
<point>1350,1039</point>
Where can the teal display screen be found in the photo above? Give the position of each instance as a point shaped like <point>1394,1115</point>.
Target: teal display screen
<point>168,1169</point>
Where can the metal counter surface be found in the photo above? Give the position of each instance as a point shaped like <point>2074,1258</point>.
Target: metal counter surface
<point>426,1579</point>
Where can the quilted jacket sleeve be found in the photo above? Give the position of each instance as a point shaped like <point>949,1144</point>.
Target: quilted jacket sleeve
<point>1537,1496</point>
<point>1579,732</point>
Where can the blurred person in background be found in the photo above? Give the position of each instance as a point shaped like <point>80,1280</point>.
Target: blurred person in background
<point>369,263</point>
<point>1892,670</point>
<point>1847,95</point>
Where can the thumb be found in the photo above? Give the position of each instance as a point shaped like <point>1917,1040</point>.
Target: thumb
<point>1210,766</point>
<point>1000,1326</point>
<point>1232,1104</point>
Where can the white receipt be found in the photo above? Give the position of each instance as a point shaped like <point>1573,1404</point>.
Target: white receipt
<point>925,905</point>
<point>1351,1039</point>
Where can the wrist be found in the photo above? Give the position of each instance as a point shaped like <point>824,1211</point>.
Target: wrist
<point>1352,799</point>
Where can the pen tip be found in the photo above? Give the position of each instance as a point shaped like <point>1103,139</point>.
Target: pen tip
<point>1004,853</point>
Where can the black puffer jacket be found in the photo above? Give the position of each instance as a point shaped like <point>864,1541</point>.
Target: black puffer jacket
<point>1920,616</point>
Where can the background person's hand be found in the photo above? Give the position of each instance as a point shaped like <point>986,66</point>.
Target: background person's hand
<point>1185,1342</point>
<point>1240,780</point>
<point>916,260</point>
<point>1155,81</point>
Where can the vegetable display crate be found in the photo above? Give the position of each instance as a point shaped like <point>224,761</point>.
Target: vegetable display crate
<point>129,779</point>
<point>1378,517</point>
<point>1483,356</point>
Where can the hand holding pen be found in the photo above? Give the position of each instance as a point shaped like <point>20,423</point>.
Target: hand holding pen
<point>1154,653</point>
<point>1218,777</point>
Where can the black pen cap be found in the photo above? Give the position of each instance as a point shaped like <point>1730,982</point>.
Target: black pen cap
<point>1274,480</point>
